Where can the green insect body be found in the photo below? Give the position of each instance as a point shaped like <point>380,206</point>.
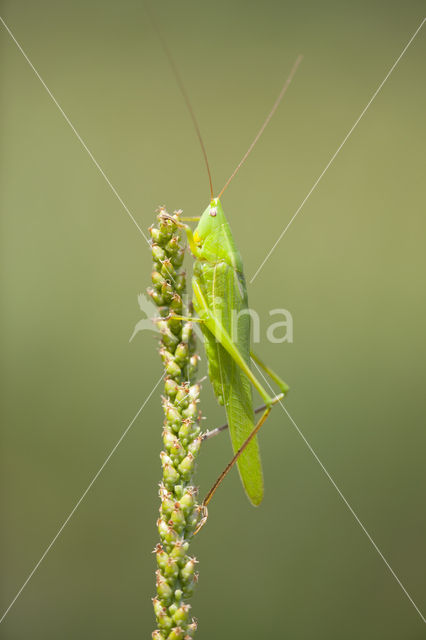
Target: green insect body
<point>221,303</point>
<point>220,300</point>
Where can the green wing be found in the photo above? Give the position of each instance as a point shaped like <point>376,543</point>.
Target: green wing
<point>225,297</point>
<point>239,410</point>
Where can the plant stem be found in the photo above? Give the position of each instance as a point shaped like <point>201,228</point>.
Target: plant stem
<point>179,511</point>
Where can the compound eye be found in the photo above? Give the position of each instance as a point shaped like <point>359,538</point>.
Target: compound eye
<point>213,212</point>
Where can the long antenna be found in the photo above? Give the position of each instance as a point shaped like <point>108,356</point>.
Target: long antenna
<point>183,92</point>
<point>265,124</point>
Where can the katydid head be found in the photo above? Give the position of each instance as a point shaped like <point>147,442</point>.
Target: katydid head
<point>211,220</point>
<point>213,237</point>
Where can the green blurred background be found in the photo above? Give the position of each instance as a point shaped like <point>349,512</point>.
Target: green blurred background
<point>350,270</point>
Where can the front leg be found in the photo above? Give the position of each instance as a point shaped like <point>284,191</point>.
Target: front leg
<point>195,250</point>
<point>173,316</point>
